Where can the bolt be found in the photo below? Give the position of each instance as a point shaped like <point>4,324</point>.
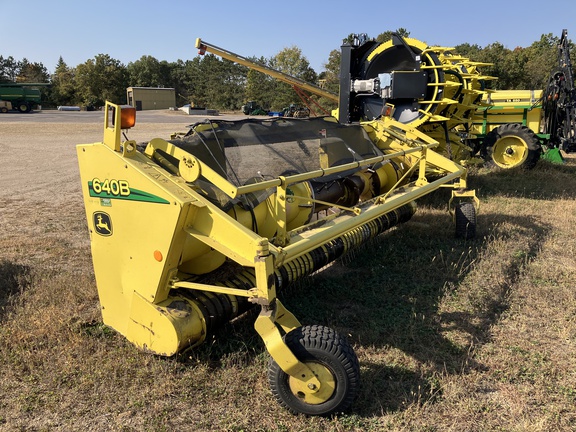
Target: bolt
<point>312,386</point>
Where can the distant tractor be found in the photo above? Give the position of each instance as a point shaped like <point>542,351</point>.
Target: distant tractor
<point>507,129</point>
<point>253,108</point>
<point>515,128</point>
<point>22,96</point>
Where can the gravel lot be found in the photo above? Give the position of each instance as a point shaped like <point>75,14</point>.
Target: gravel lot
<point>38,155</point>
<point>39,176</point>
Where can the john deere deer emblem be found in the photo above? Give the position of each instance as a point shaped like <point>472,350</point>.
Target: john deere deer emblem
<point>102,223</point>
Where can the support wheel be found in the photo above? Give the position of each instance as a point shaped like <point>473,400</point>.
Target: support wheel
<point>465,215</point>
<point>512,145</point>
<point>334,363</point>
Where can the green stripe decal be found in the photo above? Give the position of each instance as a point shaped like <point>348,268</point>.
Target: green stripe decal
<point>133,195</point>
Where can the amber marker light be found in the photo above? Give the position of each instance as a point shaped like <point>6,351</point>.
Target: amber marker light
<point>158,256</point>
<point>127,116</point>
<point>388,110</point>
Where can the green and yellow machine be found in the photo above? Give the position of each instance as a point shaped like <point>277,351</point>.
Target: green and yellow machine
<point>402,81</point>
<point>506,129</point>
<point>21,96</point>
<point>515,128</point>
<point>445,96</point>
<point>407,81</point>
<point>188,233</point>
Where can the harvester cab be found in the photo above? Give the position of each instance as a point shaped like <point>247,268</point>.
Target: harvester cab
<point>239,211</point>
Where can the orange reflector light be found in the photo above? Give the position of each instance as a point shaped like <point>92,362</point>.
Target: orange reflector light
<point>128,116</point>
<point>158,256</point>
<point>387,110</point>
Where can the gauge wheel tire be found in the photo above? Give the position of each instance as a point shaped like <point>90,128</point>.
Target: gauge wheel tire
<point>512,145</point>
<point>334,363</point>
<point>465,216</point>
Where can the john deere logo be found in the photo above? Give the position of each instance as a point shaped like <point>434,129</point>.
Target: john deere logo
<point>102,223</point>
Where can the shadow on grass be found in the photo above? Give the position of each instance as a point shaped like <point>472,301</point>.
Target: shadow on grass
<point>545,181</point>
<point>389,388</point>
<point>14,279</point>
<point>386,297</point>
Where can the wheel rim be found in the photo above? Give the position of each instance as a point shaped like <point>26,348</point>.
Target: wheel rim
<point>327,381</point>
<point>510,151</point>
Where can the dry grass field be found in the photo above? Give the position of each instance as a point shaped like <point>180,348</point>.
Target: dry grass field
<point>451,335</point>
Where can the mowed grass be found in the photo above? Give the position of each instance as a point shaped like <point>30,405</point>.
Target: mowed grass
<point>451,335</point>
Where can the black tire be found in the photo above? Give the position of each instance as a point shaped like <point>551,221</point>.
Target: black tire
<point>3,110</point>
<point>330,356</point>
<point>512,145</point>
<point>465,215</point>
<point>24,107</point>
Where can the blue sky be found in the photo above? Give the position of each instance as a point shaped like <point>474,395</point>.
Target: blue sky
<point>42,31</point>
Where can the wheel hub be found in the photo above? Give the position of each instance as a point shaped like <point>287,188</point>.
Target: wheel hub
<point>309,395</point>
<point>510,151</point>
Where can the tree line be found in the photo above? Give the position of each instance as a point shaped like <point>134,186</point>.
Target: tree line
<point>208,81</point>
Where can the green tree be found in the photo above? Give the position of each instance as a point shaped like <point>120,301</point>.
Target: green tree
<point>195,84</point>
<point>149,72</point>
<point>467,50</point>
<point>31,72</point>
<point>63,88</point>
<point>233,85</point>
<point>331,74</point>
<point>101,79</point>
<point>516,68</point>
<point>182,80</point>
<point>291,62</point>
<point>541,60</point>
<point>8,69</point>
<point>211,82</point>
<point>500,58</point>
<point>387,35</point>
<point>329,79</point>
<point>260,87</point>
<point>208,88</point>
<point>520,68</point>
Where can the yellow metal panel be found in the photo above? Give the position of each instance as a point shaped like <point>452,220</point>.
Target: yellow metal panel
<point>164,328</point>
<point>133,218</point>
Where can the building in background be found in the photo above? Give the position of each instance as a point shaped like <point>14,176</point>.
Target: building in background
<point>151,98</point>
